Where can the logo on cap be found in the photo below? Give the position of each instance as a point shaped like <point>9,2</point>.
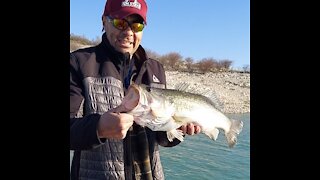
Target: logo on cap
<point>135,4</point>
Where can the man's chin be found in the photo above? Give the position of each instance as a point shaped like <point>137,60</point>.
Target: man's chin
<point>124,50</point>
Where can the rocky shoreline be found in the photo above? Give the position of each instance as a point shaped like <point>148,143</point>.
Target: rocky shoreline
<point>232,89</point>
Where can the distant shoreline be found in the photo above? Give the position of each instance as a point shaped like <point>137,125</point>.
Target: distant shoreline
<point>231,88</point>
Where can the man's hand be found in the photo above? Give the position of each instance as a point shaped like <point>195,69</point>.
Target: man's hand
<point>113,124</point>
<point>190,129</point>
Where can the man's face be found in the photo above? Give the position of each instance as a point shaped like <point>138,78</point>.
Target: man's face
<point>125,40</point>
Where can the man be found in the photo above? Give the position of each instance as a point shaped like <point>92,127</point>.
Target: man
<point>106,144</point>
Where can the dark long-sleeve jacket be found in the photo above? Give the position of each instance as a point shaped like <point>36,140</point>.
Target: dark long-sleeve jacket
<point>98,78</point>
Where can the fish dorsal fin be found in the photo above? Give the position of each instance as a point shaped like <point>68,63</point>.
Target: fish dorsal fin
<point>209,93</point>
<point>182,86</point>
<point>212,95</point>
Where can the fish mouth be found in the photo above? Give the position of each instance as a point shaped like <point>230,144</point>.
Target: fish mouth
<point>131,100</point>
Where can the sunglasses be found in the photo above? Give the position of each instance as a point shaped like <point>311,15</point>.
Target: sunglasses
<point>123,24</point>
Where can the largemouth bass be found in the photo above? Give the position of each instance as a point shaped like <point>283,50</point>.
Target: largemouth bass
<point>168,109</point>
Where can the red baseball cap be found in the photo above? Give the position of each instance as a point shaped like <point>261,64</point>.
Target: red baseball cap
<point>123,8</point>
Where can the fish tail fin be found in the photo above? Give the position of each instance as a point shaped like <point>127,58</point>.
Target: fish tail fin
<point>213,134</point>
<point>235,129</point>
<point>175,133</point>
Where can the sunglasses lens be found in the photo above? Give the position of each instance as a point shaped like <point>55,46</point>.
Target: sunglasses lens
<point>120,24</point>
<point>137,27</point>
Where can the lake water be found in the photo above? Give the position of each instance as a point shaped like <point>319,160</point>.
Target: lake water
<point>198,157</point>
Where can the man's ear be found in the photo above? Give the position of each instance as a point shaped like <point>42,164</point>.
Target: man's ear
<point>104,19</point>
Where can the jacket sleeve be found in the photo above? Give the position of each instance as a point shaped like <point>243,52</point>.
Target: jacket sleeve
<point>163,140</point>
<point>83,131</point>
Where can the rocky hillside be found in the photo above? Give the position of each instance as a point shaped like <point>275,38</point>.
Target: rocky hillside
<point>231,88</point>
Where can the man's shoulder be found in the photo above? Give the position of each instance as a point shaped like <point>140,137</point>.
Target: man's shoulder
<point>154,62</point>
<point>155,65</point>
<point>84,50</point>
<point>82,54</point>
<point>156,73</point>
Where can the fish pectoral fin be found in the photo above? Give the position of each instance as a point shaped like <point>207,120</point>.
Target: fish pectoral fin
<point>175,133</point>
<point>212,133</point>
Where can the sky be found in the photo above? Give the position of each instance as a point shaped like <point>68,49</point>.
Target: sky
<point>218,29</point>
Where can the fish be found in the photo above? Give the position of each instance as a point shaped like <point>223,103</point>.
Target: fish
<point>168,109</point>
